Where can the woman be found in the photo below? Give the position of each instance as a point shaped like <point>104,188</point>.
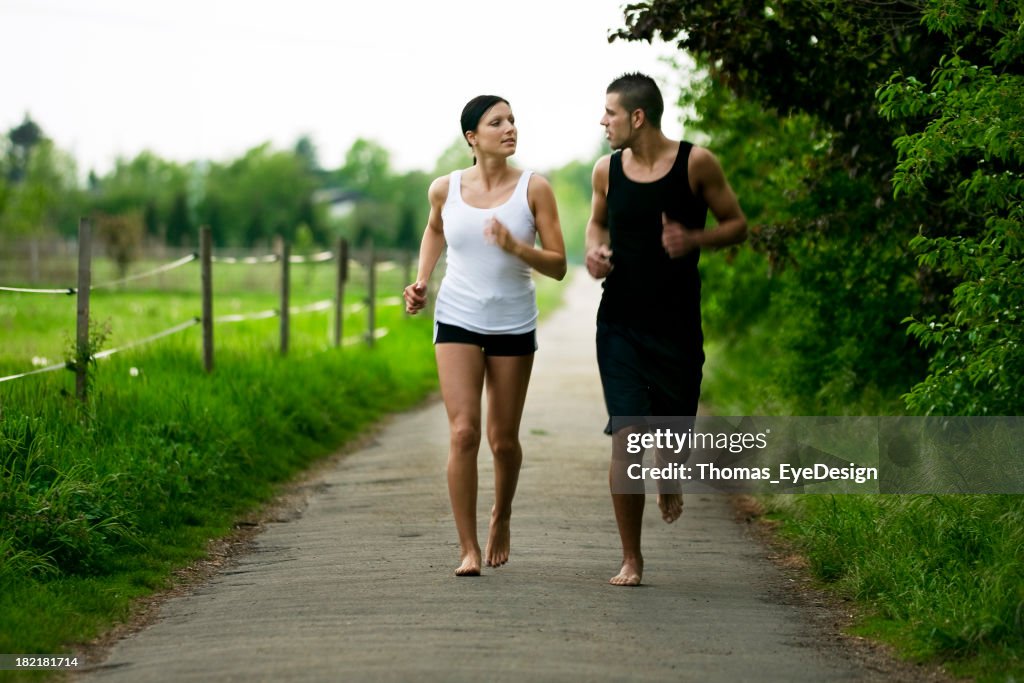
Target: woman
<point>489,215</point>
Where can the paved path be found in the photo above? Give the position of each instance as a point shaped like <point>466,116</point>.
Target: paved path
<point>360,586</point>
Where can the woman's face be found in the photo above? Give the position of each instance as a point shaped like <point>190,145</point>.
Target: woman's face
<point>496,133</point>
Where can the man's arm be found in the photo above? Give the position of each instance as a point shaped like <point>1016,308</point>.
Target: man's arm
<point>599,253</point>
<point>708,182</point>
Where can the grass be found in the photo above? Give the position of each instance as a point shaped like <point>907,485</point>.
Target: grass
<point>101,502</point>
<point>941,578</point>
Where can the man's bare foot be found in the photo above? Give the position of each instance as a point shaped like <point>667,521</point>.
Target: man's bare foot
<point>671,506</point>
<point>630,574</point>
<point>470,564</point>
<point>498,541</point>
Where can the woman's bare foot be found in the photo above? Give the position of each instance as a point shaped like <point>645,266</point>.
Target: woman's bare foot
<point>671,506</point>
<point>470,564</point>
<point>498,541</point>
<point>630,574</point>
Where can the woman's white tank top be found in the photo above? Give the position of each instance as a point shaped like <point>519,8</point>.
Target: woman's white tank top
<point>485,289</point>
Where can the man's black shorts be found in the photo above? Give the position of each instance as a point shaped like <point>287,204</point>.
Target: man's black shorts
<point>491,344</point>
<point>647,374</point>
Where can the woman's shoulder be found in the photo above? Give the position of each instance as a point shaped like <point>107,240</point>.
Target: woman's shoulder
<point>537,185</point>
<point>438,191</point>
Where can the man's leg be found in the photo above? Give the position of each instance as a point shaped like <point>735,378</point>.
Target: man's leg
<point>628,507</point>
<point>625,395</point>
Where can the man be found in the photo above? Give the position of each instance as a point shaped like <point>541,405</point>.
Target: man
<point>650,203</point>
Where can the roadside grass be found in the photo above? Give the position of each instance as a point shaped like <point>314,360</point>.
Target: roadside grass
<point>940,578</point>
<point>943,576</point>
<point>101,502</point>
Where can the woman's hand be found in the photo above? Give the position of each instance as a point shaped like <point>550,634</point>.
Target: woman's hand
<point>415,296</point>
<point>497,234</point>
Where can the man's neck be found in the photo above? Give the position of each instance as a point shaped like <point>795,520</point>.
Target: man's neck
<point>649,148</point>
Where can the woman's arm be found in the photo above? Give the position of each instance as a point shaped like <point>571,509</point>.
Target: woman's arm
<point>431,247</point>
<point>549,258</point>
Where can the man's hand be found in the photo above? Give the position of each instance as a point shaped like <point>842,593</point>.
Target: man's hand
<point>599,261</point>
<point>677,240</point>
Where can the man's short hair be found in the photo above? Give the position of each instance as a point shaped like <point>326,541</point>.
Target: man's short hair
<point>639,91</point>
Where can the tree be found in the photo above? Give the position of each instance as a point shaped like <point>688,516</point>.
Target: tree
<point>45,197</point>
<point>23,139</point>
<point>790,99</point>
<point>947,190</point>
<point>257,197</point>
<point>180,231</point>
<point>367,170</point>
<point>146,184</point>
<point>963,148</point>
<point>122,236</point>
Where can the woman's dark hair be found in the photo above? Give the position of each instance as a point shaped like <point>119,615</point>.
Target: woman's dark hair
<point>475,110</point>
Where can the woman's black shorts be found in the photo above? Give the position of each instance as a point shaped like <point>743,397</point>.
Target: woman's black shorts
<point>491,344</point>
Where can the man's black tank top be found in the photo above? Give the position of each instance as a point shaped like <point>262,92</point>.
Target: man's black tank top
<point>647,290</point>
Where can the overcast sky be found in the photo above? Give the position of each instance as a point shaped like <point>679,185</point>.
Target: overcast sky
<point>208,79</point>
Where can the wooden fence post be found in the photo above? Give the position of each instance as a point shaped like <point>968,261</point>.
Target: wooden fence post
<point>285,252</point>
<point>82,350</point>
<point>206,277</point>
<point>339,293</point>
<point>371,295</point>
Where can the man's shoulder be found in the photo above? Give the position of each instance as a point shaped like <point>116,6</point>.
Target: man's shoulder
<point>604,160</point>
<point>701,161</point>
<point>697,153</point>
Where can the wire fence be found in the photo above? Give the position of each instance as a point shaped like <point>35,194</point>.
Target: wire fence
<point>84,354</point>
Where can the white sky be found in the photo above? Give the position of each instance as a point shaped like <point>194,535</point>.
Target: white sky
<point>209,79</point>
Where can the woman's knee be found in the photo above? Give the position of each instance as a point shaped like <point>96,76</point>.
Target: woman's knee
<point>465,438</point>
<point>504,446</point>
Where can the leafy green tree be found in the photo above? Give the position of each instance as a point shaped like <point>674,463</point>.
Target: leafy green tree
<point>40,194</point>
<point>306,152</point>
<point>23,138</point>
<point>146,184</point>
<point>963,149</point>
<point>180,230</point>
<point>367,171</point>
<point>122,236</point>
<point>257,197</point>
<point>832,236</point>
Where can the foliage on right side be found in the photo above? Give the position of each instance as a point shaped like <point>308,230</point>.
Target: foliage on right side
<point>878,151</point>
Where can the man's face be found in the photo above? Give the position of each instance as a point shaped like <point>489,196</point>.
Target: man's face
<point>618,125</point>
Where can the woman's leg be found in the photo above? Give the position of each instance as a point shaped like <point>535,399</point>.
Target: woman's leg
<point>507,380</point>
<point>460,368</point>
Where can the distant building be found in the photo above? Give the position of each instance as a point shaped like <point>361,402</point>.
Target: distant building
<point>340,202</point>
